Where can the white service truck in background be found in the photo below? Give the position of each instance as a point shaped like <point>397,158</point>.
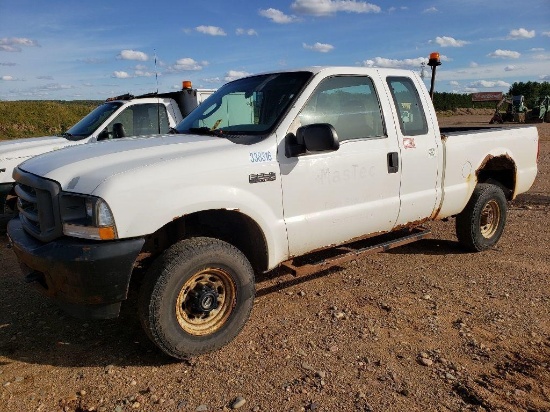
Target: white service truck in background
<point>269,170</point>
<point>121,116</point>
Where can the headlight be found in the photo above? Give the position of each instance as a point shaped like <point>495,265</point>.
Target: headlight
<point>87,217</point>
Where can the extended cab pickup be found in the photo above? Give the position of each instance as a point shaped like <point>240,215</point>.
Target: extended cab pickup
<point>269,168</point>
<point>120,116</point>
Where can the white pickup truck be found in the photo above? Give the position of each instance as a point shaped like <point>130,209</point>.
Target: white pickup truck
<point>270,168</point>
<point>120,116</point>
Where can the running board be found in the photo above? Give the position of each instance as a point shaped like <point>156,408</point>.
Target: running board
<point>336,255</point>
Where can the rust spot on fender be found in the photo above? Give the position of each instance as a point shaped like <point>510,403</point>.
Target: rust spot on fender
<point>501,162</point>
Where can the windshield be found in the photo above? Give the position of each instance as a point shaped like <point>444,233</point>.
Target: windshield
<point>250,106</point>
<point>91,121</point>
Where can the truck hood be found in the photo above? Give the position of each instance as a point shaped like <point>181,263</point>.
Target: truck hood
<point>81,169</point>
<point>25,148</point>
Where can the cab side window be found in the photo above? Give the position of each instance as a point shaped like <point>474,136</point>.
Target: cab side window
<point>349,104</point>
<point>140,119</point>
<point>412,119</point>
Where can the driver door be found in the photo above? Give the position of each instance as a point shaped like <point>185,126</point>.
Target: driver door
<point>332,197</point>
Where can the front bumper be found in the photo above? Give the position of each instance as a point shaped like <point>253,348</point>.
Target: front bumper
<point>88,279</point>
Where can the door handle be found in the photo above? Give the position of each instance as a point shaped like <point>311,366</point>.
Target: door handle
<point>393,162</point>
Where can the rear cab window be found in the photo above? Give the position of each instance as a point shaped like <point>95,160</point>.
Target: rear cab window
<point>412,118</point>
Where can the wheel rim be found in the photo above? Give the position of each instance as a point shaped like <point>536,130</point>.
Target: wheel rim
<point>490,219</point>
<point>205,302</point>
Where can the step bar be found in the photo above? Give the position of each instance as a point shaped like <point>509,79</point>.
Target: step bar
<point>333,256</point>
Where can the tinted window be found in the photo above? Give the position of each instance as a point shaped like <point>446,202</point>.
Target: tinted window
<point>407,102</point>
<point>140,119</point>
<point>92,121</point>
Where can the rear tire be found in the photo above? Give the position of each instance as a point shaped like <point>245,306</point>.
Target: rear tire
<point>481,224</point>
<point>196,297</point>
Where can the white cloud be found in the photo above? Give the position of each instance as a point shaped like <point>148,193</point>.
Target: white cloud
<point>120,75</point>
<point>489,84</point>
<point>328,7</point>
<point>449,42</point>
<point>545,78</point>
<point>319,47</point>
<point>392,63</point>
<point>55,87</point>
<point>8,78</point>
<point>277,16</point>
<point>536,49</point>
<point>505,54</point>
<point>509,68</point>
<point>394,9</point>
<point>212,80</point>
<point>211,30</point>
<point>247,32</point>
<point>454,83</point>
<point>546,33</point>
<point>430,10</point>
<point>521,34</point>
<point>92,60</point>
<point>143,73</point>
<point>13,44</point>
<point>473,65</point>
<point>188,63</point>
<point>234,75</point>
<point>133,55</point>
<point>44,77</point>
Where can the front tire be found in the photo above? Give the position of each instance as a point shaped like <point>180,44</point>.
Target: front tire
<point>481,224</point>
<point>196,297</point>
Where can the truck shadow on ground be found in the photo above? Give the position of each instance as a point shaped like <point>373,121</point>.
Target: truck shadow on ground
<point>33,330</point>
<point>432,247</point>
<point>285,280</point>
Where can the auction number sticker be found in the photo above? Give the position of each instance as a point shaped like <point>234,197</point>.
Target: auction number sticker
<point>259,157</point>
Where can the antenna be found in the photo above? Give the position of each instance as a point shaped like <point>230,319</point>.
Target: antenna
<point>158,97</point>
<point>156,72</point>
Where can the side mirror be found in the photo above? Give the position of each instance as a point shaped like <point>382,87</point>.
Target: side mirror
<point>103,135</point>
<point>318,137</point>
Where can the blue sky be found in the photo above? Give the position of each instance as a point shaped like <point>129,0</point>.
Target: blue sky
<point>53,49</point>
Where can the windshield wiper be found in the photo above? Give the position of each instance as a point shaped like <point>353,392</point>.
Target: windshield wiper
<point>206,131</point>
<point>66,134</point>
<point>173,130</point>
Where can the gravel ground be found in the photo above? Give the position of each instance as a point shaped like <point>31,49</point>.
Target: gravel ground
<point>425,327</point>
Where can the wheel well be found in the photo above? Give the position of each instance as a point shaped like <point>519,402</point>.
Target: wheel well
<point>499,170</point>
<point>230,226</point>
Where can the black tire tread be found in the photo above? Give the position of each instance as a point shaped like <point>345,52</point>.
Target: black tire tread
<point>467,224</point>
<point>149,302</point>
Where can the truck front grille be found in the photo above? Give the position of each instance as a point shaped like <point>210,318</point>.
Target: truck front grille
<point>27,204</point>
<point>38,201</point>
